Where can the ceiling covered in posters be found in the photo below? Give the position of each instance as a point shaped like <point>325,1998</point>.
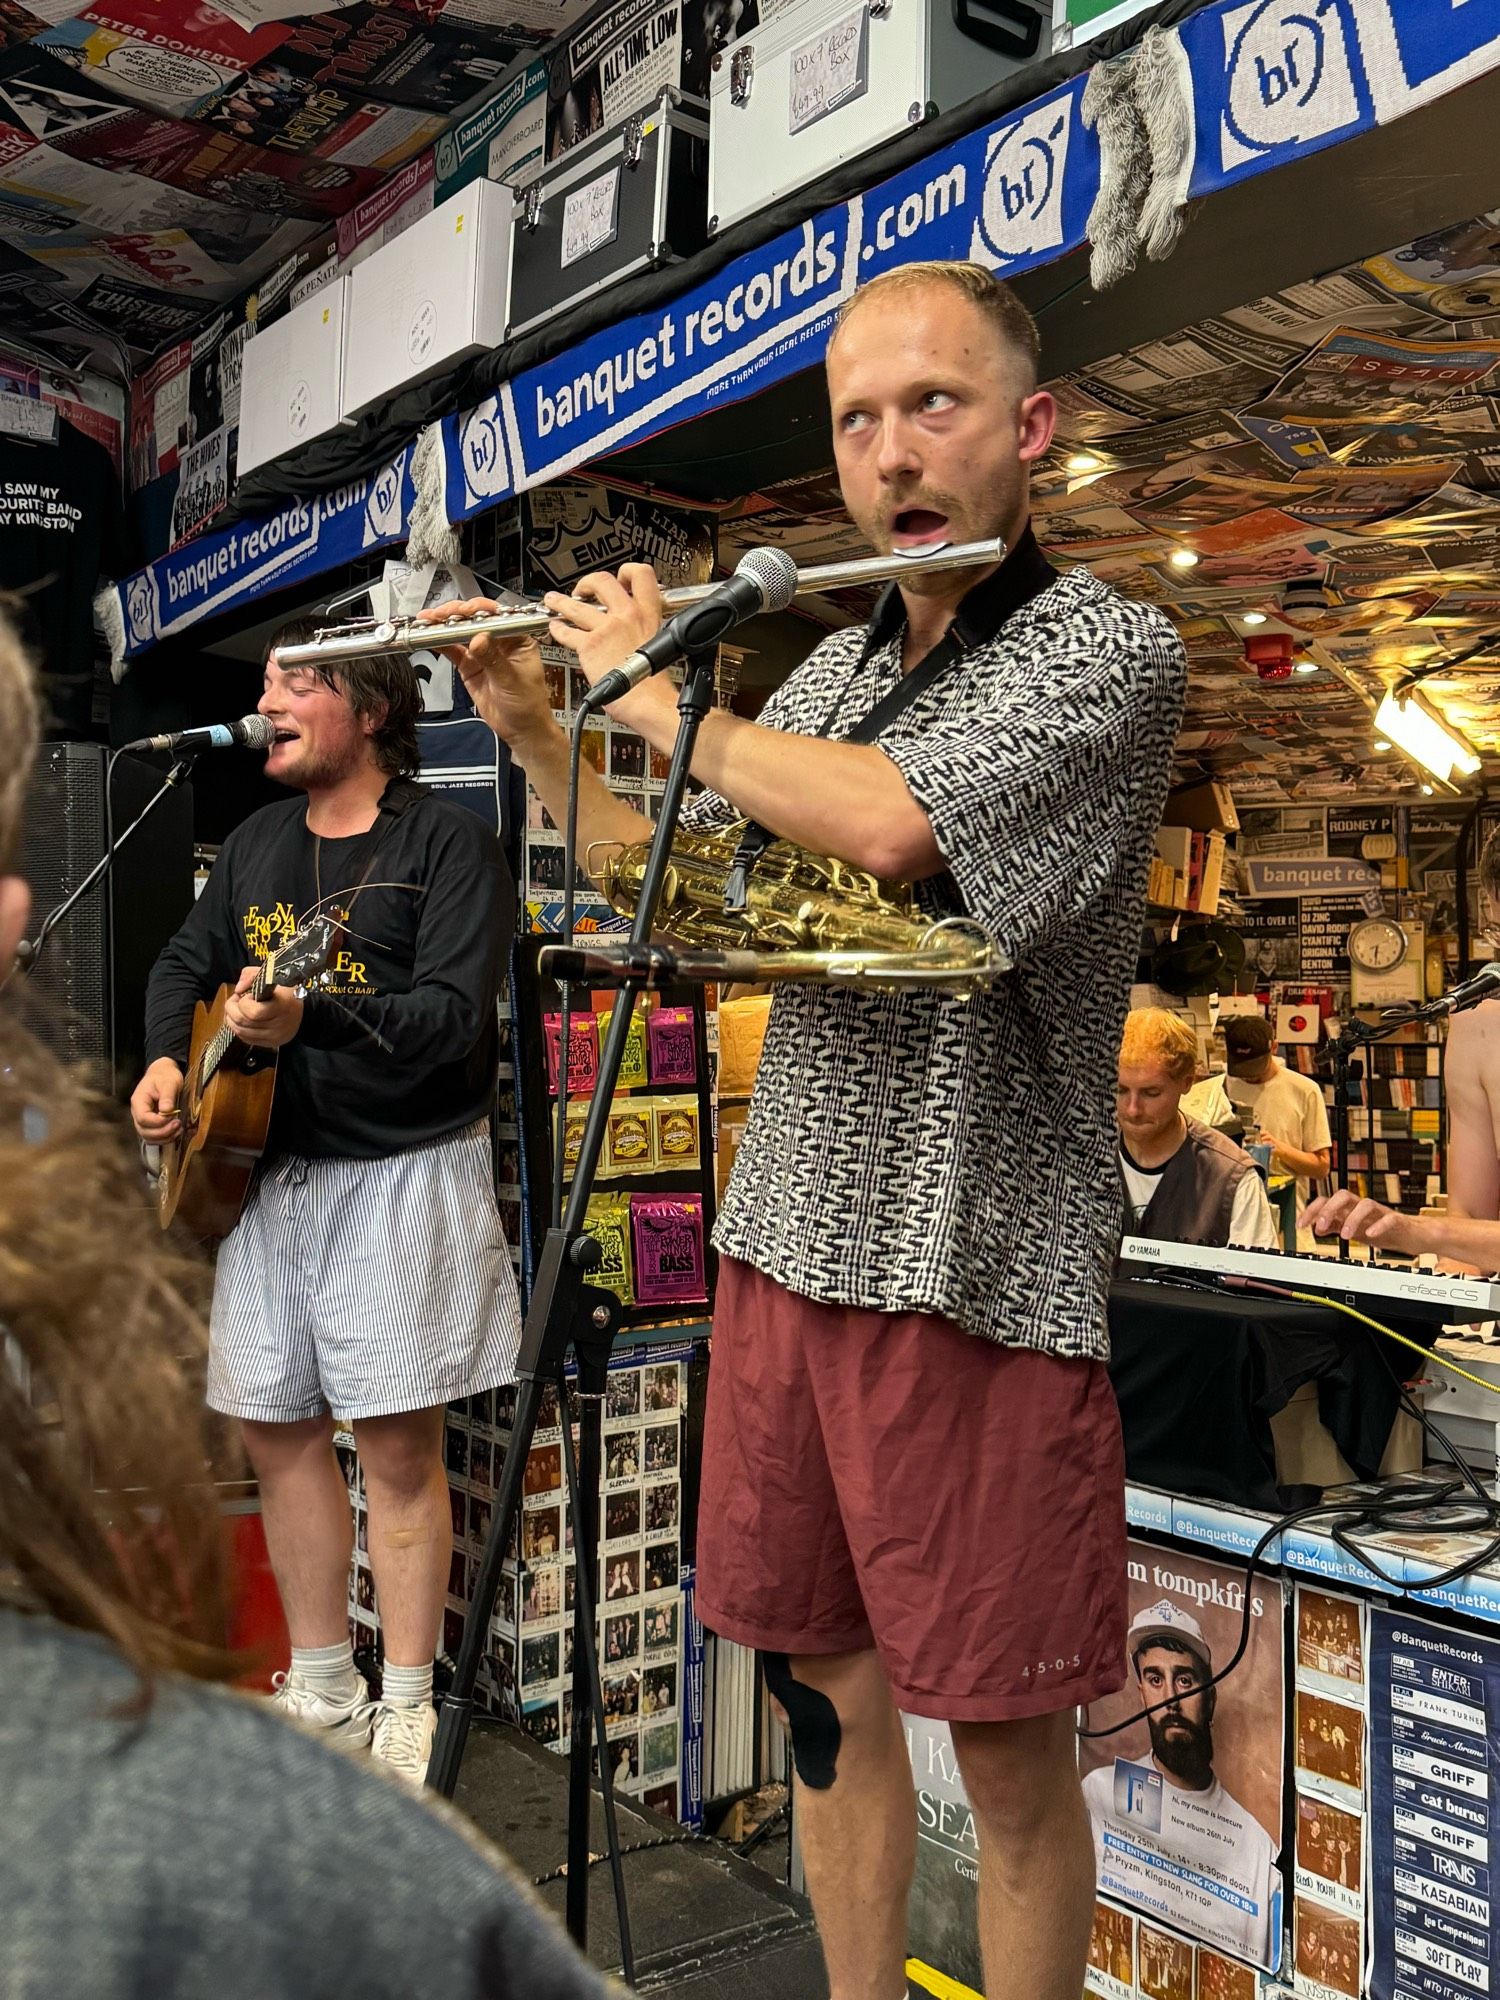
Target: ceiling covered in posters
<point>158,157</point>
<point>1323,464</point>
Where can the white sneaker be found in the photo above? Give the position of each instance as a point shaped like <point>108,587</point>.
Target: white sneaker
<point>349,1721</point>
<point>402,1739</point>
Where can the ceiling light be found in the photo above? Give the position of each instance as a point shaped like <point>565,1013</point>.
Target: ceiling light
<point>1427,791</point>
<point>1380,746</point>
<point>1306,665</point>
<point>1253,618</point>
<point>1420,731</point>
<point>1183,559</point>
<point>1083,461</point>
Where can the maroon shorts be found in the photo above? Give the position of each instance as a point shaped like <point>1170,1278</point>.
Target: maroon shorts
<point>887,1479</point>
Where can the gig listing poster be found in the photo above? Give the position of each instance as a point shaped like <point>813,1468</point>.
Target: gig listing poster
<point>1434,1756</point>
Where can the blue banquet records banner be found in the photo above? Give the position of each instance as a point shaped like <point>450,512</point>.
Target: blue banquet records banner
<point>1011,196</point>
<point>1434,1760</point>
<point>205,578</point>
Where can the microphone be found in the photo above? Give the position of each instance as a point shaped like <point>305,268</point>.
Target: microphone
<point>1469,994</point>
<point>763,580</point>
<point>251,732</point>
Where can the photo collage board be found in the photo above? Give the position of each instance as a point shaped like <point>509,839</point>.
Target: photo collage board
<point>526,1674</point>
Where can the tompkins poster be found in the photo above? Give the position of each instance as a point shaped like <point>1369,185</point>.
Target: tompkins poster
<point>1186,1804</point>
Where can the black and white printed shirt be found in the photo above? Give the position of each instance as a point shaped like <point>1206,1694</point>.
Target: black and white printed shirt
<point>917,1151</point>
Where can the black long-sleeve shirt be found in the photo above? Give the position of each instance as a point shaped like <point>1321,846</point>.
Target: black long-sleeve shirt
<point>401,1047</point>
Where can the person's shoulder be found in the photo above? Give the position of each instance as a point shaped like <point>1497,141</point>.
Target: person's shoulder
<point>1250,1828</point>
<point>1218,1143</point>
<point>328,1840</point>
<point>266,823</point>
<point>1099,1788</point>
<point>455,825</point>
<point>1078,595</point>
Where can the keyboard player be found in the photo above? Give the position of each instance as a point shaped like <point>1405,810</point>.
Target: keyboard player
<point>1181,1180</point>
<point>1467,1241</point>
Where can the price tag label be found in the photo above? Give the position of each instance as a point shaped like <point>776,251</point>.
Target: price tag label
<point>590,217</point>
<point>27,417</point>
<point>830,70</point>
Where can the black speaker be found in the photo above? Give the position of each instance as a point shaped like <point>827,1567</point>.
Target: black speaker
<point>91,977</point>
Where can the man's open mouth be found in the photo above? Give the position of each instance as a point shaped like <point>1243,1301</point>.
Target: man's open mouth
<point>915,526</point>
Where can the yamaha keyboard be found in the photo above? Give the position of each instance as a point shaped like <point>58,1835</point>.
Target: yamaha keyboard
<point>1365,1286</point>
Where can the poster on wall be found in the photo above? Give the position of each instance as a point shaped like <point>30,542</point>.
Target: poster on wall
<point>1186,1804</point>
<point>943,1925</point>
<point>1329,1837</point>
<point>574,527</point>
<point>1434,1761</point>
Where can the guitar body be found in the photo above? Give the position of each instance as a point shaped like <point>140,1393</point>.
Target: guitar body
<point>206,1173</point>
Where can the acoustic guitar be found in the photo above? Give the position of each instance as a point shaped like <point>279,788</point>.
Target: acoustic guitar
<point>227,1093</point>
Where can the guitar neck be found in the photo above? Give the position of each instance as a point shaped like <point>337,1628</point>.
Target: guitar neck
<point>224,1040</point>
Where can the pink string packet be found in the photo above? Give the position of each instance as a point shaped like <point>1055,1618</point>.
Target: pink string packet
<point>667,1237</point>
<point>669,1032</point>
<point>583,1051</point>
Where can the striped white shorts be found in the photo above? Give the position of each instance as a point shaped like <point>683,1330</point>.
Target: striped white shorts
<point>365,1287</point>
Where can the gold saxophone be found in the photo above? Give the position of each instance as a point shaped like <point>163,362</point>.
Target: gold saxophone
<point>807,916</point>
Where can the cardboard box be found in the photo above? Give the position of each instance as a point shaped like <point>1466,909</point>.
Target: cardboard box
<point>1212,878</point>
<point>1175,846</point>
<point>732,1115</point>
<point>1208,806</point>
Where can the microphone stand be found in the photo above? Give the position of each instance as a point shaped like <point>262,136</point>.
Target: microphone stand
<point>29,951</point>
<point>568,1314</point>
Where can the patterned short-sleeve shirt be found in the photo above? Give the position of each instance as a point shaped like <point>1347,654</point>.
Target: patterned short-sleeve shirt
<point>917,1151</point>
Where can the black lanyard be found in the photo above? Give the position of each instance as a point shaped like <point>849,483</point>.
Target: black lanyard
<point>894,702</point>
<point>1024,574</point>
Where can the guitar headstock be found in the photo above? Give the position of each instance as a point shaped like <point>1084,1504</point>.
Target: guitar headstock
<point>299,961</point>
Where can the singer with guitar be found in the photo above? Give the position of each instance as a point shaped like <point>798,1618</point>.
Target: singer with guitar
<point>368,1274</point>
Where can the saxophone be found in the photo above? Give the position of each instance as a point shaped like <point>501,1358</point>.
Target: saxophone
<point>807,917</point>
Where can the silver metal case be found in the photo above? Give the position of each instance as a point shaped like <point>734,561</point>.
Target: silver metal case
<point>630,198</point>
<point>819,82</point>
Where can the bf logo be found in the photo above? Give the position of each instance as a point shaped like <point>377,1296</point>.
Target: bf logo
<point>1021,212</point>
<point>140,608</point>
<point>383,508</point>
<point>485,471</point>
<point>446,163</point>
<point>1286,77</point>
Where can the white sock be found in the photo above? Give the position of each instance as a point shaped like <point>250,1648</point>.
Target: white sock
<point>406,1687</point>
<point>329,1671</point>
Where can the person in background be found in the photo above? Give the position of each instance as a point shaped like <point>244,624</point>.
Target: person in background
<point>1281,1104</point>
<point>1471,1082</point>
<point>1182,1181</point>
<point>164,1835</point>
<point>368,1272</point>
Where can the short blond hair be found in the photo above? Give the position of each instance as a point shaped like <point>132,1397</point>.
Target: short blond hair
<point>1154,1035</point>
<point>999,304</point>
<point>20,732</point>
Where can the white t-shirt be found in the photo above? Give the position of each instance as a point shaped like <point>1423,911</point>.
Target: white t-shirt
<point>1209,1103</point>
<point>1197,1858</point>
<point>1287,1107</point>
<point>1251,1223</point>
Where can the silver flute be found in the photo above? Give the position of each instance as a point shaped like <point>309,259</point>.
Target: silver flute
<point>364,638</point>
